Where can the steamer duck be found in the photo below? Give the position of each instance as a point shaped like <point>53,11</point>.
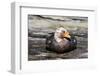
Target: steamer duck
<point>61,41</point>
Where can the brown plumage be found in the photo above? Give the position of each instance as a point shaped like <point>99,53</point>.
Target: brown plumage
<point>61,41</point>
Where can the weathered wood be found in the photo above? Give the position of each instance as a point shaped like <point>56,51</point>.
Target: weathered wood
<point>39,28</point>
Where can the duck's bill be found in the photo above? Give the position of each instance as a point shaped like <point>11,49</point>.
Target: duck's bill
<point>66,35</point>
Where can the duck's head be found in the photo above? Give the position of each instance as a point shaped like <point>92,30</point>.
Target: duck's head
<point>61,33</point>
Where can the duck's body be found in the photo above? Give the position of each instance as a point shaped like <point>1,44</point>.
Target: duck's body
<point>60,45</point>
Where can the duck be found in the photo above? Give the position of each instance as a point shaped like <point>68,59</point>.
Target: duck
<point>61,41</point>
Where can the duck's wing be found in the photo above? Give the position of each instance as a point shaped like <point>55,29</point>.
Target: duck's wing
<point>73,42</point>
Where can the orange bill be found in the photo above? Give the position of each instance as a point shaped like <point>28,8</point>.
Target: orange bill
<point>66,34</point>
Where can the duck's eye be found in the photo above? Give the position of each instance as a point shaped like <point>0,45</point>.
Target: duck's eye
<point>63,31</point>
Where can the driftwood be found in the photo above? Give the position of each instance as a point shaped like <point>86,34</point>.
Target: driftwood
<point>38,32</point>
